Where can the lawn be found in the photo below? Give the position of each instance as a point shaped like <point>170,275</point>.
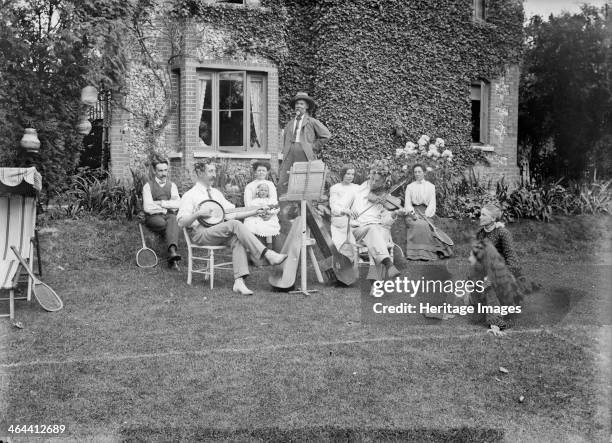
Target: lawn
<point>139,355</point>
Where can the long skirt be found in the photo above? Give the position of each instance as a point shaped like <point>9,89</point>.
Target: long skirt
<point>420,242</point>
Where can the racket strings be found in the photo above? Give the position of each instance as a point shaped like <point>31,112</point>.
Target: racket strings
<point>146,258</point>
<point>47,298</point>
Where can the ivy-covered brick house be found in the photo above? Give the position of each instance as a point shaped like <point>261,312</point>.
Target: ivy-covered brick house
<point>446,68</point>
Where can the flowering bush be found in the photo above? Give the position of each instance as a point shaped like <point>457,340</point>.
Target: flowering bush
<point>430,155</point>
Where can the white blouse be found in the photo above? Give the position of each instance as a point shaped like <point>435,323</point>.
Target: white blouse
<point>250,192</point>
<point>421,193</point>
<point>341,196</point>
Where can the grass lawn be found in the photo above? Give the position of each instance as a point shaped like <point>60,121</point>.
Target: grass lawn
<point>139,355</point>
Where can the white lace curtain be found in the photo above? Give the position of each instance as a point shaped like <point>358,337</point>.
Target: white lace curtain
<point>256,90</point>
<point>201,97</point>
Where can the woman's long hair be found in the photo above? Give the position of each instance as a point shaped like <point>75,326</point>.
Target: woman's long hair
<point>493,266</point>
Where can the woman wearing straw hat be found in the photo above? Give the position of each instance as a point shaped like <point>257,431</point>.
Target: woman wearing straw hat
<point>303,138</point>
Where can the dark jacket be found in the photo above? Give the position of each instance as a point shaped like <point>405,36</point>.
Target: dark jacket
<point>313,136</point>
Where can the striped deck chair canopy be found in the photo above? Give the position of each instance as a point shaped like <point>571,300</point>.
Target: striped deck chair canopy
<point>19,189</point>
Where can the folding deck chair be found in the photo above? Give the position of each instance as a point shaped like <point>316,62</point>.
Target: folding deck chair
<point>19,189</point>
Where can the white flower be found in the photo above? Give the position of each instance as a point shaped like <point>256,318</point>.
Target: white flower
<point>440,143</point>
<point>433,151</point>
<point>447,153</point>
<point>410,145</point>
<point>405,168</point>
<point>428,169</point>
<point>409,150</point>
<point>424,140</point>
<point>449,159</point>
<point>399,152</point>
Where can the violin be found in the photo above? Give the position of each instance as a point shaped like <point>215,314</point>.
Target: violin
<point>389,202</point>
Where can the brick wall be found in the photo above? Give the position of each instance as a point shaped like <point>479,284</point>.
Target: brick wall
<point>502,129</point>
<point>119,157</point>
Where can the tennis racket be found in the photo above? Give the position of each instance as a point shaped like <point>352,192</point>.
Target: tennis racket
<point>437,232</point>
<point>46,297</point>
<point>145,257</point>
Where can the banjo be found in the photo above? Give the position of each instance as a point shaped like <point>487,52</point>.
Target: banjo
<point>218,213</point>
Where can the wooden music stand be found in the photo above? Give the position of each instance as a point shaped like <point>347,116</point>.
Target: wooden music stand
<point>306,182</point>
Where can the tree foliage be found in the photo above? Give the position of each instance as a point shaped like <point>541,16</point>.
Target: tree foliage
<point>49,50</point>
<point>565,122</point>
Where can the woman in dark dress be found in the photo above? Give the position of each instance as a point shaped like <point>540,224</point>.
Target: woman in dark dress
<point>495,251</point>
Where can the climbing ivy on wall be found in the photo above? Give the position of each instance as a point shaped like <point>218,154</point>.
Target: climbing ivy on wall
<point>383,71</point>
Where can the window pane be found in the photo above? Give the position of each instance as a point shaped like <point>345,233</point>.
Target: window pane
<point>476,121</point>
<point>475,92</point>
<point>205,130</point>
<point>231,91</point>
<point>479,9</point>
<point>231,128</point>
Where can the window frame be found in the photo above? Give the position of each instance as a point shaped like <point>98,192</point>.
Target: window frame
<point>484,87</point>
<point>214,75</point>
<point>479,11</point>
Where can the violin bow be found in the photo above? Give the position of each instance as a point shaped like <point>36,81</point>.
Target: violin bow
<point>390,191</point>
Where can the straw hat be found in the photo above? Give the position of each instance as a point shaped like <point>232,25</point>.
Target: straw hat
<point>304,96</point>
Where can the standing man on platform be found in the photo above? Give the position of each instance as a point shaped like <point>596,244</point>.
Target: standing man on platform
<point>160,201</point>
<point>303,138</point>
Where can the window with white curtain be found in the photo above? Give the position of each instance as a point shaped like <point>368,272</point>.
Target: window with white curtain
<point>232,110</point>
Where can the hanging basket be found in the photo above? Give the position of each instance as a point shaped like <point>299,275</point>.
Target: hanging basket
<point>89,95</point>
<point>30,141</point>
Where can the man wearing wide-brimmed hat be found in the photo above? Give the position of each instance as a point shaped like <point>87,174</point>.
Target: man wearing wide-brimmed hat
<point>303,137</point>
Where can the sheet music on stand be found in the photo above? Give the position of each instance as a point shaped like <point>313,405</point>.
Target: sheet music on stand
<point>306,181</point>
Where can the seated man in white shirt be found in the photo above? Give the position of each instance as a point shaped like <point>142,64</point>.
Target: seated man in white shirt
<point>160,201</point>
<point>230,232</point>
<point>371,221</point>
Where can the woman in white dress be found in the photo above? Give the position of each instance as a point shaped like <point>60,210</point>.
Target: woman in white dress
<point>262,192</point>
<point>420,242</point>
<point>341,197</point>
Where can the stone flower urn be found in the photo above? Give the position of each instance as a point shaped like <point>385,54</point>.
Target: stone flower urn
<point>84,126</point>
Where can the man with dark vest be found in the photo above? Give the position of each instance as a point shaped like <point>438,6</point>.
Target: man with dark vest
<point>303,137</point>
<point>161,200</point>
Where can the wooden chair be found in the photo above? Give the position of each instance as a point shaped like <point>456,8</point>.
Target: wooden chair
<point>208,270</point>
<point>374,268</point>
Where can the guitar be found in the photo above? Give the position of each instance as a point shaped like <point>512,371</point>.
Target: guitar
<point>435,231</point>
<point>218,213</point>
